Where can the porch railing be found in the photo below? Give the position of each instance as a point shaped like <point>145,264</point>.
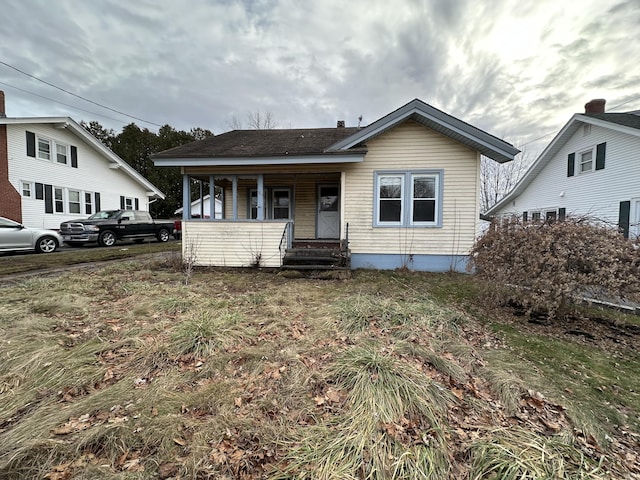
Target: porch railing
<point>286,240</point>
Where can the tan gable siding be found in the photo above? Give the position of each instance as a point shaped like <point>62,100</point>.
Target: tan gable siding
<point>411,146</point>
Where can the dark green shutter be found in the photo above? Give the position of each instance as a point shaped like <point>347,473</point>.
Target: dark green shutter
<point>31,144</point>
<point>97,201</point>
<point>74,157</point>
<point>137,205</point>
<point>39,191</point>
<point>571,164</point>
<point>121,202</point>
<point>562,213</point>
<point>601,151</point>
<point>623,218</point>
<point>48,199</point>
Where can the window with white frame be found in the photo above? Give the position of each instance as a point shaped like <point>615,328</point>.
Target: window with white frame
<point>88,203</point>
<point>280,204</point>
<point>128,203</point>
<point>27,189</point>
<point>535,216</point>
<point>586,161</point>
<point>74,201</point>
<point>44,148</point>
<point>61,153</point>
<point>58,200</point>
<point>408,199</point>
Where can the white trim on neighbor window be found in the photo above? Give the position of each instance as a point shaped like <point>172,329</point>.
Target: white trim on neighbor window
<point>408,198</point>
<point>73,201</point>
<point>586,160</point>
<point>58,200</point>
<point>52,151</point>
<point>26,188</point>
<point>128,203</point>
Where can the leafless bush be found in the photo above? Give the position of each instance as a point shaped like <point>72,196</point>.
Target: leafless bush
<point>546,266</point>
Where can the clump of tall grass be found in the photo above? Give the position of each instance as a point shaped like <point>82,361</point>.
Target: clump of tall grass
<point>515,454</point>
<point>207,331</point>
<point>391,424</point>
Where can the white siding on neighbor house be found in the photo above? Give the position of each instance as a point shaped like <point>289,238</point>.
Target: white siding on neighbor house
<point>597,193</point>
<point>412,146</point>
<point>92,175</point>
<point>232,243</point>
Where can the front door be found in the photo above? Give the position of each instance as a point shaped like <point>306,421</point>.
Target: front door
<point>328,220</point>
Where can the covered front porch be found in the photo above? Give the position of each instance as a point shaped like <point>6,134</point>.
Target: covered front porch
<point>290,220</point>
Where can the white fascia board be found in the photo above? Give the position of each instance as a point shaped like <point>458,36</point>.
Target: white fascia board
<point>257,161</point>
<point>80,131</point>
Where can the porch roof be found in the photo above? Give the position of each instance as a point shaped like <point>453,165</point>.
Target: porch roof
<point>265,147</point>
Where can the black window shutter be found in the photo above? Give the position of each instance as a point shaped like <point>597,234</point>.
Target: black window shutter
<point>601,151</point>
<point>562,213</point>
<point>48,199</point>
<point>121,202</point>
<point>31,144</point>
<point>137,205</point>
<point>39,191</point>
<point>97,201</point>
<point>74,157</point>
<point>571,164</point>
<point>623,218</point>
<point>524,216</point>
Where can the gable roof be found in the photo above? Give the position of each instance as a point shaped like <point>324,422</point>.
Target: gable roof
<point>622,122</point>
<point>326,145</point>
<point>441,122</point>
<point>114,160</point>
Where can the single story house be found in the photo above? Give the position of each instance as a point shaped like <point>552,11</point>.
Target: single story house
<point>52,169</point>
<point>400,193</point>
<point>587,170</point>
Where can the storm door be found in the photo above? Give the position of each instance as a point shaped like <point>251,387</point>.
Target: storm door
<point>328,219</point>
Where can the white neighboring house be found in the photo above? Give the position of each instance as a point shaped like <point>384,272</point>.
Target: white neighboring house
<point>591,168</point>
<point>52,169</point>
<point>202,209</point>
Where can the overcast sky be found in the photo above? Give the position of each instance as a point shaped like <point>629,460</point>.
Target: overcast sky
<point>515,68</point>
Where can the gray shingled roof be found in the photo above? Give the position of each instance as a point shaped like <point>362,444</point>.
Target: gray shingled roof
<point>262,143</point>
<point>625,119</point>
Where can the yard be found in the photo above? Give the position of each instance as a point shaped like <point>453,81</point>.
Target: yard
<point>126,371</point>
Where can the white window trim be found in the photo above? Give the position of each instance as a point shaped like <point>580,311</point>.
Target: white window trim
<point>129,203</point>
<point>53,151</point>
<point>63,200</point>
<point>29,186</point>
<point>79,203</point>
<point>406,198</point>
<point>593,159</point>
<point>91,203</point>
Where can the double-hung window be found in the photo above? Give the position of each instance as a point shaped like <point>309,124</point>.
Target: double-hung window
<point>408,199</point>
<point>586,161</point>
<point>88,203</point>
<point>58,197</point>
<point>26,189</point>
<point>61,153</point>
<point>74,201</point>
<point>44,149</point>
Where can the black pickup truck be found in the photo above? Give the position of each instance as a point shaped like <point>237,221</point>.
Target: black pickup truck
<point>108,226</point>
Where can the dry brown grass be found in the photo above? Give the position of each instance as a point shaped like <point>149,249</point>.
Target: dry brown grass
<point>125,372</point>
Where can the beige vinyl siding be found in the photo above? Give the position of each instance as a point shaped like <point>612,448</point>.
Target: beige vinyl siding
<point>412,146</point>
<point>232,244</point>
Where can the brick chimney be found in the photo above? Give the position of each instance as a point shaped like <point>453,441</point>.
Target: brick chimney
<point>595,106</point>
<point>10,199</point>
<point>340,124</point>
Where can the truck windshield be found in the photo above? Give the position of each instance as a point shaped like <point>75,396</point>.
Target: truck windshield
<point>104,215</point>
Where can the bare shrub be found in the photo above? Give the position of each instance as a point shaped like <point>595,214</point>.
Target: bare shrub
<point>547,266</point>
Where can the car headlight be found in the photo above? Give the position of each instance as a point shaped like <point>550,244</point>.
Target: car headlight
<point>92,228</point>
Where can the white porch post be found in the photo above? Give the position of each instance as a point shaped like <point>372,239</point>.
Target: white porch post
<point>212,197</point>
<point>186,197</point>
<point>260,199</point>
<point>234,195</point>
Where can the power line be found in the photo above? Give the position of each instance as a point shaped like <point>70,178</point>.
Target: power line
<point>624,103</point>
<point>61,103</point>
<point>75,95</point>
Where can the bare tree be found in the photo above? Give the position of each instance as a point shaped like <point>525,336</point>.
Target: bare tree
<point>498,179</point>
<point>255,120</point>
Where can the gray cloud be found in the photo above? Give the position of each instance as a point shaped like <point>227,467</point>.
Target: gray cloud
<point>201,62</point>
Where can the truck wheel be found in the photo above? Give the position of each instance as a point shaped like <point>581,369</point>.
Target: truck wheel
<point>107,239</point>
<point>163,235</point>
<point>46,245</point>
